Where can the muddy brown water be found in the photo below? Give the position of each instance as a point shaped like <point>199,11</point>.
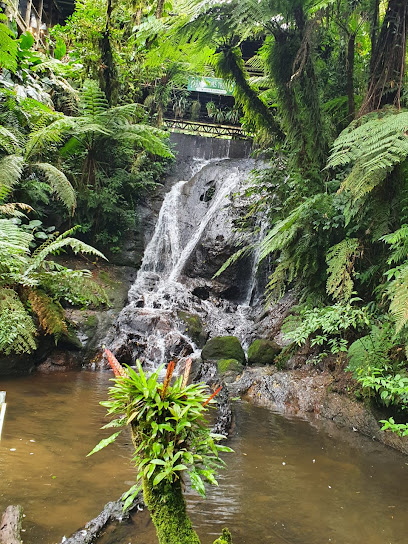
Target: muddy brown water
<point>289,480</point>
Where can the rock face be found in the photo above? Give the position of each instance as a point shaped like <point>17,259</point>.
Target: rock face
<point>263,352</point>
<point>223,347</point>
<point>307,392</point>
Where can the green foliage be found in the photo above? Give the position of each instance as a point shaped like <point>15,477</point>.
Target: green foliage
<point>169,428</point>
<point>372,147</point>
<point>329,326</point>
<point>32,284</point>
<point>8,45</point>
<point>340,260</point>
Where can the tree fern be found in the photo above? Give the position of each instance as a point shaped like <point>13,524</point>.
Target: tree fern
<point>372,146</point>
<point>340,270</point>
<point>17,329</point>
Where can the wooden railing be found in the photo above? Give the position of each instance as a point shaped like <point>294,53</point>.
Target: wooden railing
<point>205,129</point>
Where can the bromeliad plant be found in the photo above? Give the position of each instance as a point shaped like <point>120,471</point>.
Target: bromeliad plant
<point>171,438</point>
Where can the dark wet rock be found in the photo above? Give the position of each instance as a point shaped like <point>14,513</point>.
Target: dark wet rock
<point>201,292</point>
<point>223,347</point>
<point>263,352</point>
<point>194,327</point>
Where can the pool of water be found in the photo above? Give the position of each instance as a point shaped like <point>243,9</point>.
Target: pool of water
<point>289,480</point>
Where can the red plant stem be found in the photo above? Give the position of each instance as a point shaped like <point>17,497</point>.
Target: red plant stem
<point>212,396</point>
<point>169,374</point>
<point>117,368</point>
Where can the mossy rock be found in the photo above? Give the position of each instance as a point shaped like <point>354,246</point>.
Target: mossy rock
<point>229,365</point>
<point>263,352</point>
<point>194,327</point>
<point>223,347</point>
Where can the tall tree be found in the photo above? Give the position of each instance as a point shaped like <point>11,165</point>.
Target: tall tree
<point>388,60</point>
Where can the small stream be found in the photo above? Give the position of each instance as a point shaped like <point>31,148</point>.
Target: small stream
<point>289,480</point>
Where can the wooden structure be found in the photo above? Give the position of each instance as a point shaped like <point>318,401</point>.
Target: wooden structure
<point>205,129</point>
<point>38,16</point>
<point>3,406</point>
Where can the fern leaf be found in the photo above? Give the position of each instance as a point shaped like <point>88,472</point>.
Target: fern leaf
<point>50,313</point>
<point>8,140</point>
<point>340,260</point>
<point>17,330</point>
<point>59,184</point>
<point>13,240</point>
<point>11,168</point>
<point>61,242</point>
<point>8,46</point>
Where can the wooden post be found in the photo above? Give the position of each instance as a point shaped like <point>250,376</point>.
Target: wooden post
<point>2,409</point>
<point>10,526</point>
<point>28,13</point>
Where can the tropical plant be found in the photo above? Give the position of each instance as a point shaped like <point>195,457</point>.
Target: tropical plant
<point>171,438</point>
<point>32,287</point>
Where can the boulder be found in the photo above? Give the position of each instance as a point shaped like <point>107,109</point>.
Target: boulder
<point>223,347</point>
<point>263,352</point>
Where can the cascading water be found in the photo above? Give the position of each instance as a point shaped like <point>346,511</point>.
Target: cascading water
<point>176,273</point>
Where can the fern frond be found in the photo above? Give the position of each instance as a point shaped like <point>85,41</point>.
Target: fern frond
<point>54,247</point>
<point>50,313</point>
<point>46,134</point>
<point>234,258</point>
<point>17,330</point>
<point>149,138</point>
<point>11,168</point>
<point>12,209</point>
<point>13,240</point>
<point>373,146</point>
<point>9,141</point>
<point>59,184</point>
<point>340,271</point>
<point>8,46</point>
<point>92,100</point>
<point>397,291</point>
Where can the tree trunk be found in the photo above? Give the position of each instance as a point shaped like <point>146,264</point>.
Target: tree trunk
<point>108,75</point>
<point>388,59</point>
<point>351,45</point>
<point>159,9</point>
<point>167,507</point>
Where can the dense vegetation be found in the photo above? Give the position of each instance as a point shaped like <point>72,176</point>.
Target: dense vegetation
<point>323,90</point>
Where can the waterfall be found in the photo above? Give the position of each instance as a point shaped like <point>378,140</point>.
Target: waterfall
<point>195,214</point>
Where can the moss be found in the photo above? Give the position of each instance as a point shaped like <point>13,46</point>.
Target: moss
<point>229,365</point>
<point>223,347</point>
<point>91,321</point>
<point>167,508</point>
<point>262,352</point>
<point>194,327</point>
<point>225,538</point>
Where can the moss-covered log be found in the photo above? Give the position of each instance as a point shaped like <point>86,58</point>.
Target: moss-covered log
<point>167,507</point>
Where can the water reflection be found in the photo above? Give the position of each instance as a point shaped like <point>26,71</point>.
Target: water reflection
<point>288,481</point>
